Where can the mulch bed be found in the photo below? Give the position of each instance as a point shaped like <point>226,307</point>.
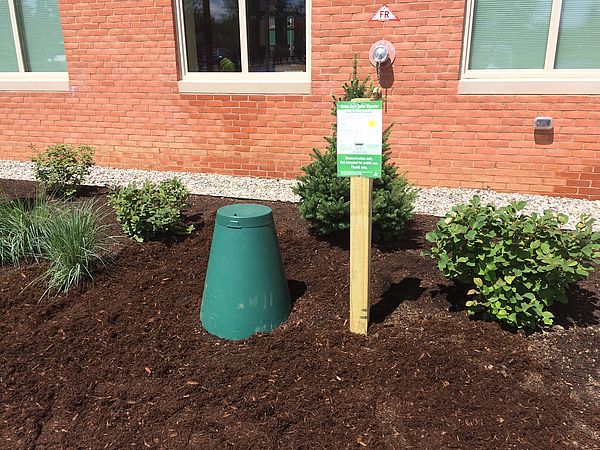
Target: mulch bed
<point>124,362</point>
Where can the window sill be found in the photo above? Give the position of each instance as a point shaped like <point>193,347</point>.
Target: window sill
<point>530,86</point>
<point>39,85</point>
<point>243,87</point>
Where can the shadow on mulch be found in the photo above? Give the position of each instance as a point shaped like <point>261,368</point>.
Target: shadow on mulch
<point>411,240</point>
<point>456,295</point>
<point>170,240</point>
<point>91,191</point>
<point>453,293</point>
<point>581,311</point>
<point>409,289</point>
<point>297,289</point>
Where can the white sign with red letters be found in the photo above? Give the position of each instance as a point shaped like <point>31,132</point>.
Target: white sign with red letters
<point>383,14</point>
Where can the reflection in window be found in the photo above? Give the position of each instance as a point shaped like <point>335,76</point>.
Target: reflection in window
<point>8,54</point>
<point>510,34</point>
<point>276,33</point>
<point>37,42</point>
<point>212,35</point>
<point>515,34</point>
<point>41,36</point>
<point>245,35</point>
<point>579,35</point>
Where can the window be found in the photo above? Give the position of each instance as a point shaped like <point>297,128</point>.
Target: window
<point>244,46</point>
<point>32,52</point>
<point>531,47</point>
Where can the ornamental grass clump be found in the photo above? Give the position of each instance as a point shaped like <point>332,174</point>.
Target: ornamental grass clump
<point>517,265</point>
<point>151,210</point>
<point>325,197</point>
<point>70,237</point>
<point>75,242</point>
<point>21,224</point>
<point>61,168</point>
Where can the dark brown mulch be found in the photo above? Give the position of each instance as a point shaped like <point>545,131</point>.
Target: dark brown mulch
<point>125,363</point>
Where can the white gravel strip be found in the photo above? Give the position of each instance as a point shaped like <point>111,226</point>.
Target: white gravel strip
<point>438,201</point>
<point>434,201</point>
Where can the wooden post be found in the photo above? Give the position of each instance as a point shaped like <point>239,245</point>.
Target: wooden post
<point>360,252</point>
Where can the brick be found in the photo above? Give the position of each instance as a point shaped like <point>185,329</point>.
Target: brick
<point>124,101</point>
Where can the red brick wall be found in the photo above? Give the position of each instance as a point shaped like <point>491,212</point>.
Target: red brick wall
<point>124,100</point>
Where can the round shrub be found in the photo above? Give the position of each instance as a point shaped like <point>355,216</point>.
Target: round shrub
<point>61,168</point>
<point>152,209</point>
<point>516,264</point>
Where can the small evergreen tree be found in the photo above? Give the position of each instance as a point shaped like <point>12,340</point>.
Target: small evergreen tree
<point>325,197</point>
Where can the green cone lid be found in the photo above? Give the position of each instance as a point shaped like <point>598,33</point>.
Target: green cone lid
<point>245,290</point>
<point>244,215</point>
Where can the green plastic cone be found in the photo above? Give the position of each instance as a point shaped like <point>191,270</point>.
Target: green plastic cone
<point>245,290</point>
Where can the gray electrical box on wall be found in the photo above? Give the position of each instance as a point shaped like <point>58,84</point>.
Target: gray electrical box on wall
<point>542,123</point>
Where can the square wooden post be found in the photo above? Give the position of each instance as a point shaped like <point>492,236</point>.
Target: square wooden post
<point>361,189</point>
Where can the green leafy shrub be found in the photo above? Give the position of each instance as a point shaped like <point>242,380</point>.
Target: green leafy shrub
<point>325,197</point>
<point>152,209</point>
<point>61,168</point>
<point>71,237</point>
<point>517,264</point>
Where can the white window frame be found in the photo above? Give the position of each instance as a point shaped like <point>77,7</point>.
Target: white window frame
<point>29,81</point>
<point>243,82</point>
<point>525,81</point>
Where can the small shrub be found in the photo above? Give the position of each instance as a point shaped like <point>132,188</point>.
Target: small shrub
<point>151,210</point>
<point>517,265</point>
<point>325,197</point>
<point>62,168</point>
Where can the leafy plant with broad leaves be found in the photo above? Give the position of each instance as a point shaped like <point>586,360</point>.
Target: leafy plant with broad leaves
<point>517,264</point>
<point>61,168</point>
<point>325,197</point>
<point>152,209</point>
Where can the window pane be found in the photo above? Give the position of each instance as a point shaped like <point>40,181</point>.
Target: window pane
<point>8,56</point>
<point>212,35</point>
<point>579,35</point>
<point>276,35</point>
<point>510,34</point>
<point>41,36</point>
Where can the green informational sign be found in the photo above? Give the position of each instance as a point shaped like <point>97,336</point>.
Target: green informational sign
<point>359,136</point>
